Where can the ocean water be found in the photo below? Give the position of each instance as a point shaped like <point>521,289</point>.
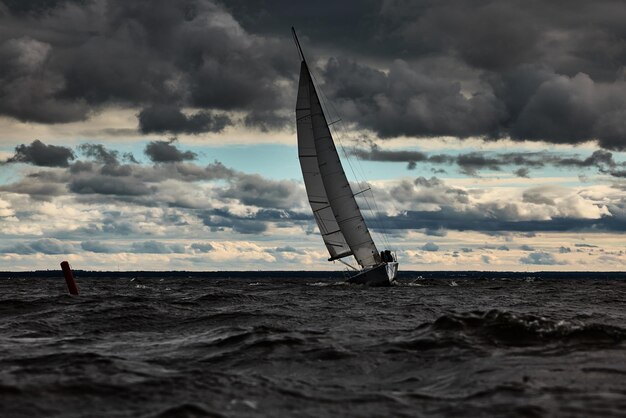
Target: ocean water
<point>305,345</point>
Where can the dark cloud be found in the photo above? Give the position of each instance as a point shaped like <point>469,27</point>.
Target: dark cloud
<point>109,185</point>
<point>287,249</point>
<point>436,232</point>
<point>35,188</point>
<point>573,110</point>
<point>258,191</point>
<point>267,120</point>
<point>113,223</point>
<point>43,246</point>
<point>522,172</point>
<point>403,101</point>
<point>498,70</point>
<point>539,196</point>
<point>141,53</point>
<point>170,119</point>
<point>100,153</point>
<point>284,252</point>
<point>473,162</point>
<point>324,21</point>
<point>487,220</point>
<point>428,191</point>
<point>377,154</point>
<point>36,7</point>
<point>166,152</point>
<point>40,154</point>
<point>99,247</point>
<point>470,163</point>
<point>156,247</point>
<point>81,166</point>
<point>116,170</point>
<point>545,259</point>
<point>219,220</point>
<point>252,223</point>
<point>528,70</point>
<point>128,156</point>
<point>29,86</point>
<point>430,246</point>
<point>202,247</point>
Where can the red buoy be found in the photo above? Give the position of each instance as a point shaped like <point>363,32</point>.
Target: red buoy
<point>69,278</point>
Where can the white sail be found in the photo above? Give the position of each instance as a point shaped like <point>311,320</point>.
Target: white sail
<point>331,234</point>
<point>333,203</point>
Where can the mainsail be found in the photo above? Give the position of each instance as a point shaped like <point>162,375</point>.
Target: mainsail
<point>335,209</point>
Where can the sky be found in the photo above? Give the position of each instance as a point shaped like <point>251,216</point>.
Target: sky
<point>160,134</point>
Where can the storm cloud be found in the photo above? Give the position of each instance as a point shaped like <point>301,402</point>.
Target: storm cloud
<point>169,119</point>
<point>99,247</point>
<point>525,70</point>
<point>473,162</point>
<point>140,54</point>
<point>258,191</point>
<point>38,153</point>
<point>43,246</point>
<point>166,152</point>
<point>100,153</point>
<point>156,247</point>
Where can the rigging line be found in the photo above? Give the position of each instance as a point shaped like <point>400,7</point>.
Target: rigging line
<point>359,177</point>
<point>362,191</point>
<point>324,103</point>
<point>327,104</point>
<point>376,219</point>
<point>347,264</point>
<point>295,39</point>
<point>339,133</point>
<point>379,214</point>
<point>330,108</point>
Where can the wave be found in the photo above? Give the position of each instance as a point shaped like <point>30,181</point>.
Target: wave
<point>500,328</point>
<point>188,410</point>
<point>329,284</point>
<point>223,296</point>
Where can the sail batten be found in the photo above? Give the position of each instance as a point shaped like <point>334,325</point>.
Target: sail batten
<point>325,181</point>
<point>318,199</point>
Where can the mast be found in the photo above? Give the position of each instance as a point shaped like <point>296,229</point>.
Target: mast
<point>334,207</point>
<point>295,39</point>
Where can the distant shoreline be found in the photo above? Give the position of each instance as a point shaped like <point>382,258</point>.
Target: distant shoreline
<point>315,274</point>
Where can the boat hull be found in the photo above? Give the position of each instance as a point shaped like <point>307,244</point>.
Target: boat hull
<point>381,275</point>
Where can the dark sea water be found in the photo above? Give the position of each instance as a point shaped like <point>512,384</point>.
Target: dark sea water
<point>311,346</point>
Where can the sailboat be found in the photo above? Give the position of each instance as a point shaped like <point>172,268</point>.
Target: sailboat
<point>332,201</point>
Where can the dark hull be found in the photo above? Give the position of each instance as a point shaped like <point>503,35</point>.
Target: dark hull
<point>381,275</point>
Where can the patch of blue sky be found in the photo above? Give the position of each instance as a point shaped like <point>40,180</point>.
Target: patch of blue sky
<point>279,161</point>
<point>8,173</point>
<point>273,161</point>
